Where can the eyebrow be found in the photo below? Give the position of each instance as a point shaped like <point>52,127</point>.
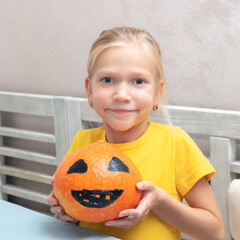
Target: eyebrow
<point>107,71</point>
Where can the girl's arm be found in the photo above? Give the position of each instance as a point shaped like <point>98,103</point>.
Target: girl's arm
<point>201,219</point>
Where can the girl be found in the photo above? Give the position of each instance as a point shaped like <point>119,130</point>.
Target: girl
<point>125,83</point>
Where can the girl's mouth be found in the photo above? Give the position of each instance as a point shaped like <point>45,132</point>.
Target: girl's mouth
<point>121,111</point>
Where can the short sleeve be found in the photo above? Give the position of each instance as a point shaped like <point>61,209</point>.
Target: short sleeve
<point>86,137</point>
<point>191,164</point>
<point>75,144</point>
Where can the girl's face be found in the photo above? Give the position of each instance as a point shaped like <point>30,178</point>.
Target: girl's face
<point>123,91</point>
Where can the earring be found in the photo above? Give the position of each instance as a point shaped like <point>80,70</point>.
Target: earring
<point>155,107</point>
<point>91,105</point>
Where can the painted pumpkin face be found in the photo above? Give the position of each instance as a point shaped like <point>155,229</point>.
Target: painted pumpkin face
<point>95,183</point>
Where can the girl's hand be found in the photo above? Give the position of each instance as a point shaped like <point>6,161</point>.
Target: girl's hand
<point>57,210</point>
<point>130,217</point>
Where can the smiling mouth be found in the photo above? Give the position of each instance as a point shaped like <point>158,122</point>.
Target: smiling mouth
<point>121,111</point>
<point>96,198</point>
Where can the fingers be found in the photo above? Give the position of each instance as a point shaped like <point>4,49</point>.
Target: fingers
<point>59,213</point>
<point>52,179</point>
<point>66,218</point>
<point>125,223</point>
<point>128,218</point>
<point>145,186</point>
<point>56,210</point>
<point>51,200</point>
<point>132,213</point>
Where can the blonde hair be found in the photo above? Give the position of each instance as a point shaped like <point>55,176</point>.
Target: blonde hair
<point>123,36</point>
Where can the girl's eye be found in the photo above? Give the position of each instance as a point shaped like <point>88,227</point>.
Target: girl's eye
<point>139,81</point>
<point>107,80</point>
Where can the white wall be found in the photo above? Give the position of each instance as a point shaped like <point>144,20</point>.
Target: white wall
<point>44,45</point>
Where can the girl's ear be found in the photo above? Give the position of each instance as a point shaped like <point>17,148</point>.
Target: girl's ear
<point>159,91</point>
<point>88,89</point>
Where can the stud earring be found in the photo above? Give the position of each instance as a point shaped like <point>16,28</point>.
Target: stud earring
<point>155,107</point>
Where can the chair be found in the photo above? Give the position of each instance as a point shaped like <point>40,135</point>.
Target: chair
<point>221,127</point>
<point>234,208</point>
<point>65,115</point>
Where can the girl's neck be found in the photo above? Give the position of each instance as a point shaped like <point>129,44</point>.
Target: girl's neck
<point>130,135</point>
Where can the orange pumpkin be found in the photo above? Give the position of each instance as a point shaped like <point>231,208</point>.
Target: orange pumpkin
<point>95,183</point>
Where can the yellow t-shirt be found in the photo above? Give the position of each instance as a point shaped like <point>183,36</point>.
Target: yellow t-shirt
<point>164,155</point>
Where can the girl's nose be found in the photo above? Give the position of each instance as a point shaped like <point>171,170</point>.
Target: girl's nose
<point>122,92</point>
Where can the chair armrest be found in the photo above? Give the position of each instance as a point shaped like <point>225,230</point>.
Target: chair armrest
<point>234,208</point>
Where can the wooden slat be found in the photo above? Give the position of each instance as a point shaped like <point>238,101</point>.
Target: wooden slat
<point>222,153</point>
<point>25,174</point>
<point>33,104</point>
<point>235,167</point>
<point>24,193</point>
<point>60,127</point>
<point>2,163</point>
<point>28,155</point>
<point>74,118</point>
<point>209,122</point>
<point>26,134</point>
<point>87,113</point>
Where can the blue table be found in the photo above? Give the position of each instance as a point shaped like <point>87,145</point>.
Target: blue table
<point>19,223</point>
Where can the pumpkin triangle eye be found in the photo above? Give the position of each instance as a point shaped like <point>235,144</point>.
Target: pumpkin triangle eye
<point>78,167</point>
<point>116,165</point>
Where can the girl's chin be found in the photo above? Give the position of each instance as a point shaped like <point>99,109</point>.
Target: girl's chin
<point>123,126</point>
<point>119,127</point>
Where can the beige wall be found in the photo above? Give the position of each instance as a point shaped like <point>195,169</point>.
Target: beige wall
<point>44,45</point>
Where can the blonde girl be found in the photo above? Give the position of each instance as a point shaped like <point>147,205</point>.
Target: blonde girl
<point>125,83</point>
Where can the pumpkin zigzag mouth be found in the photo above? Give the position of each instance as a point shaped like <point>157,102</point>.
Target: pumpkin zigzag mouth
<point>96,198</point>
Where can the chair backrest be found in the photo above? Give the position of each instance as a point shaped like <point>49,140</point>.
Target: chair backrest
<point>71,114</point>
<point>65,115</point>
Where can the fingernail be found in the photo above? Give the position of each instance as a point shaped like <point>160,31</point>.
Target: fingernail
<point>139,185</point>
